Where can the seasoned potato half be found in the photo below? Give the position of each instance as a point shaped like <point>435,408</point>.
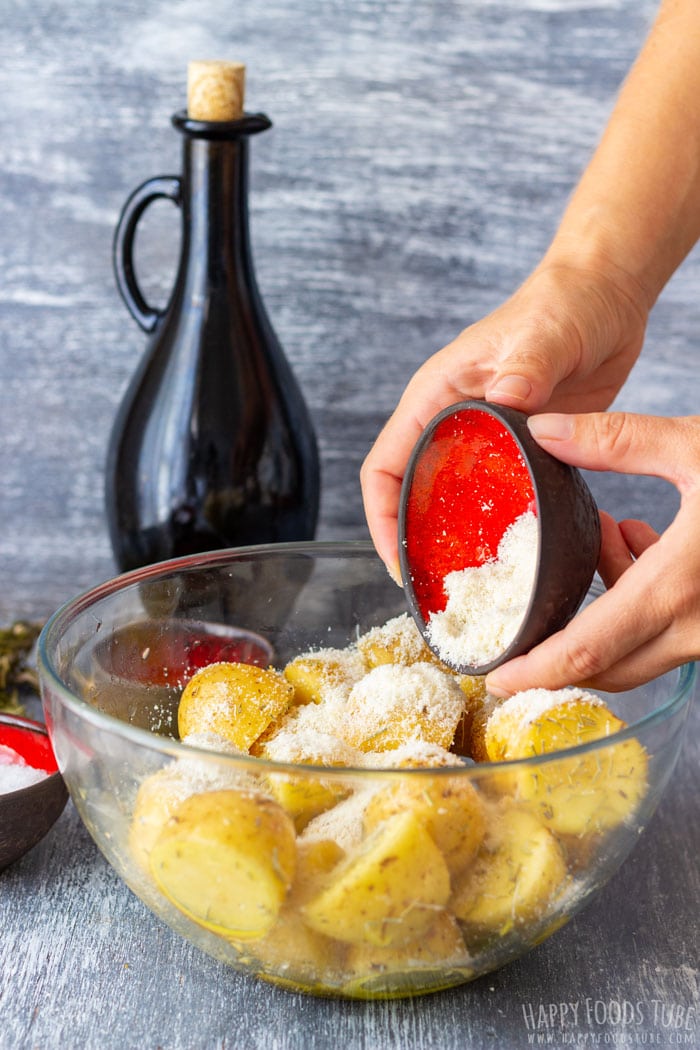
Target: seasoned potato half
<point>577,796</point>
<point>450,809</point>
<point>325,673</point>
<point>386,893</point>
<point>516,874</point>
<point>304,798</point>
<point>440,951</point>
<point>227,859</point>
<point>394,704</point>
<point>160,794</point>
<point>398,641</point>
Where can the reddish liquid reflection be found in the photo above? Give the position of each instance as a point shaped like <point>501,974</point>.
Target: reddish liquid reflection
<point>151,654</point>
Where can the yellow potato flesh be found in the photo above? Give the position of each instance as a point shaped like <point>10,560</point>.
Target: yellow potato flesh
<point>515,875</point>
<point>315,675</point>
<point>587,795</point>
<point>304,799</point>
<point>160,794</point>
<point>226,859</point>
<point>450,809</point>
<point>388,892</point>
<point>291,947</point>
<point>442,944</point>
<point>237,701</point>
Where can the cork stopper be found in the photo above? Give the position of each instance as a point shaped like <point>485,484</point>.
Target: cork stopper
<point>215,90</point>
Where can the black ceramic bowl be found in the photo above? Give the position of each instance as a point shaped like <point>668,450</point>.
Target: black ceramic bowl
<point>475,468</point>
<point>28,814</point>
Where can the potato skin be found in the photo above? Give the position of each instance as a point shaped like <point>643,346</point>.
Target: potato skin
<point>237,701</point>
<point>160,794</point>
<point>316,675</point>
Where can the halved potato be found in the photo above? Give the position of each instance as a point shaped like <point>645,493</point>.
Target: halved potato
<point>226,859</point>
<point>450,809</point>
<point>324,673</point>
<point>577,796</point>
<point>160,794</point>
<point>304,799</point>
<point>393,704</point>
<point>398,641</point>
<point>436,959</point>
<point>387,892</point>
<point>515,876</point>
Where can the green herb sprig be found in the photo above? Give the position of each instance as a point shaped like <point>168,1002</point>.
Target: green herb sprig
<point>16,643</point>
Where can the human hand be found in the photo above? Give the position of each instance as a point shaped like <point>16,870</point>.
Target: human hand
<point>648,621</point>
<point>566,340</point>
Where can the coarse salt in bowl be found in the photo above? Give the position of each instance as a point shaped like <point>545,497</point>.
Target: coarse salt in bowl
<point>32,793</point>
<point>15,773</point>
<point>335,811</point>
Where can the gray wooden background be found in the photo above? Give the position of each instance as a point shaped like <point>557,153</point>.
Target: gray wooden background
<point>421,153</point>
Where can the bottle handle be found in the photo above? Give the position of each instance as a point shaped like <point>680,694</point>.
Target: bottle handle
<point>168,186</point>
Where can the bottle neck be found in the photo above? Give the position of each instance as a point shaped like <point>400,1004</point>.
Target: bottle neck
<point>216,237</point>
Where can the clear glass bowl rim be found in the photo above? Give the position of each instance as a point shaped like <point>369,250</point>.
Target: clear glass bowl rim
<point>59,620</point>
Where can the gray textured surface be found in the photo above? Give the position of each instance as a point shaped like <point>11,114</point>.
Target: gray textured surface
<point>421,154</point>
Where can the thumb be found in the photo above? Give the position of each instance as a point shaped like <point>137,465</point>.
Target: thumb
<point>624,442</point>
<point>534,358</point>
<point>526,384</point>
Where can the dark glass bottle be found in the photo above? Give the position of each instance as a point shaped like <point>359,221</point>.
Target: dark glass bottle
<point>213,445</point>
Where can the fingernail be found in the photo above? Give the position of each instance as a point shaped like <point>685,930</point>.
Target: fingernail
<point>495,690</point>
<point>551,425</point>
<point>516,388</point>
<point>395,573</point>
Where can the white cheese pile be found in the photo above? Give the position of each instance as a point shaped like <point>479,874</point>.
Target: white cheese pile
<point>486,603</point>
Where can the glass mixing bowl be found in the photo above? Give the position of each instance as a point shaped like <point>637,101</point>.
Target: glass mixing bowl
<point>357,882</point>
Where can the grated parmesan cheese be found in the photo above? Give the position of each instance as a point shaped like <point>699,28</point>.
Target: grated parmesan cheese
<point>310,746</point>
<point>393,704</point>
<point>396,641</point>
<point>486,603</point>
<point>522,709</point>
<point>413,754</point>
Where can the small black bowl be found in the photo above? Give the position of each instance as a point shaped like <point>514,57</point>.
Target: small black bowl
<point>27,815</point>
<point>523,475</point>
